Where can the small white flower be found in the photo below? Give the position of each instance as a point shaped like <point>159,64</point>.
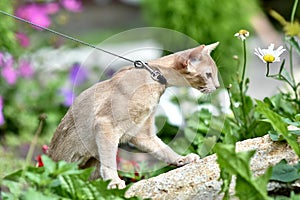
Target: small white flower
<point>242,34</point>
<point>269,55</point>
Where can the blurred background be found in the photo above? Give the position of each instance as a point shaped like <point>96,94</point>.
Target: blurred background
<point>42,72</point>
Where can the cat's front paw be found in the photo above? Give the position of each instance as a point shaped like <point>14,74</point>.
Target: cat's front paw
<point>116,183</point>
<point>187,159</point>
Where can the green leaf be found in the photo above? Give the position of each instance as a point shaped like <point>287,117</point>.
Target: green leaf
<point>284,172</point>
<point>16,187</point>
<point>207,146</point>
<point>190,134</point>
<point>112,193</point>
<point>261,128</point>
<point>248,105</point>
<point>278,124</point>
<point>32,194</point>
<point>15,176</point>
<point>49,164</point>
<point>275,136</point>
<point>290,122</point>
<point>247,187</point>
<point>294,43</point>
<point>295,132</point>
<point>297,117</point>
<point>226,177</point>
<point>286,74</point>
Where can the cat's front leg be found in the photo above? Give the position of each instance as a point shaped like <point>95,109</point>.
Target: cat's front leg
<point>183,160</point>
<point>107,143</point>
<point>153,145</point>
<point>111,174</point>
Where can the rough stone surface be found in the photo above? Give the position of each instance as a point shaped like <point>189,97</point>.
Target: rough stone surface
<point>200,180</point>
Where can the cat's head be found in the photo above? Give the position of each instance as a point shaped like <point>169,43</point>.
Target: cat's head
<point>198,68</point>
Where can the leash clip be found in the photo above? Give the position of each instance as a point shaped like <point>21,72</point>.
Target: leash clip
<point>155,74</point>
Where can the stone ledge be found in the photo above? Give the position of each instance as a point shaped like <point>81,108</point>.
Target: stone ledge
<point>200,180</point>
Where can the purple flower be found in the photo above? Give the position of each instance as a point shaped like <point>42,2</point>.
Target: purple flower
<point>68,95</point>
<point>78,75</point>
<point>109,73</point>
<point>34,13</point>
<point>23,39</point>
<point>8,72</point>
<point>25,69</point>
<point>1,111</point>
<point>72,5</point>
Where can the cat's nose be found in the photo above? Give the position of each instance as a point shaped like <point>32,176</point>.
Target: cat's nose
<point>217,86</point>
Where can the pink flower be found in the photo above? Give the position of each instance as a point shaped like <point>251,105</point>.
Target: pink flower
<point>51,8</point>
<point>25,69</point>
<point>23,39</point>
<point>1,111</point>
<point>34,13</point>
<point>72,5</point>
<point>8,72</point>
<point>38,158</point>
<point>45,149</point>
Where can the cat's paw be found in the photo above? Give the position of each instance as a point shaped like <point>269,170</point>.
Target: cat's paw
<point>187,159</point>
<point>116,183</point>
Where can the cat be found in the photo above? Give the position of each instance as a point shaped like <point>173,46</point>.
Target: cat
<point>121,109</point>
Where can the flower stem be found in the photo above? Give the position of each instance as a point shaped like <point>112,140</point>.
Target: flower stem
<point>295,87</point>
<point>242,86</point>
<point>294,11</point>
<point>42,119</point>
<point>291,66</point>
<point>245,62</point>
<point>232,108</point>
<point>268,69</point>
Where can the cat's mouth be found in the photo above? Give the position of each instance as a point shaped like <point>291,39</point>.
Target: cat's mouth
<point>206,90</point>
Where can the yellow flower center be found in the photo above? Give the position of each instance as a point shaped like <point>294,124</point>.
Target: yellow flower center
<point>292,29</point>
<point>244,32</point>
<point>269,58</point>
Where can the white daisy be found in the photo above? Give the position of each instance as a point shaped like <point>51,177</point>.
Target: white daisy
<point>242,34</point>
<point>269,55</point>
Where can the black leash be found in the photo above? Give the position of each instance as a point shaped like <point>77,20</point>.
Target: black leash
<point>155,74</point>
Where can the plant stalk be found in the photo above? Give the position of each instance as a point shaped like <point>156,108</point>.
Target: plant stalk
<point>294,11</point>
<point>268,69</point>
<point>242,85</point>
<point>42,119</point>
<point>244,65</point>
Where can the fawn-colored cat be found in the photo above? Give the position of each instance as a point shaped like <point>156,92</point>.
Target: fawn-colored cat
<point>122,109</point>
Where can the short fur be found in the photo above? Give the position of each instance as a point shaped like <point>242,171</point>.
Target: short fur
<point>122,109</point>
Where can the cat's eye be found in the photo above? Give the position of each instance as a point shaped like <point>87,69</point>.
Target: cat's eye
<point>208,75</point>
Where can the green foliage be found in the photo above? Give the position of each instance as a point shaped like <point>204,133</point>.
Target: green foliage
<point>206,21</point>
<point>231,163</point>
<point>7,27</point>
<point>203,131</point>
<point>292,197</point>
<point>279,125</point>
<point>57,181</point>
<point>286,173</point>
<point>142,171</point>
<point>29,98</point>
<point>245,120</point>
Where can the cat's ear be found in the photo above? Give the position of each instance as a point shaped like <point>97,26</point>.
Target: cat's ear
<point>181,61</point>
<point>196,53</point>
<point>209,48</point>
